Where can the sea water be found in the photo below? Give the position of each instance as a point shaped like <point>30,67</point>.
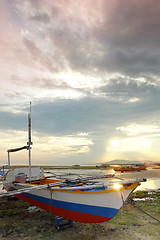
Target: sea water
<point>152,176</point>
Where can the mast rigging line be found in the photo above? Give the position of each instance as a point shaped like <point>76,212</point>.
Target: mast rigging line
<point>132,202</point>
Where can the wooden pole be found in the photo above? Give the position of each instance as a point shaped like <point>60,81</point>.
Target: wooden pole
<point>29,143</point>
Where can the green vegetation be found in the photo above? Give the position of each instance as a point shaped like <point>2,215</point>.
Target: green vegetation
<point>16,222</point>
<point>61,167</point>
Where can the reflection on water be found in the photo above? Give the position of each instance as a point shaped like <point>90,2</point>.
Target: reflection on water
<point>152,176</point>
<point>151,184</point>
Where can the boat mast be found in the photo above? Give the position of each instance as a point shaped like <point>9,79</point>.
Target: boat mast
<point>29,143</point>
<point>9,163</point>
<point>28,147</point>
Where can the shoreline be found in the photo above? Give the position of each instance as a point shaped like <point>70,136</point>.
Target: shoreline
<point>152,175</point>
<point>17,222</point>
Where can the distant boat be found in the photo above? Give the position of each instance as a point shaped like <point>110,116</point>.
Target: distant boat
<point>76,165</point>
<point>156,166</point>
<point>102,165</point>
<point>129,168</point>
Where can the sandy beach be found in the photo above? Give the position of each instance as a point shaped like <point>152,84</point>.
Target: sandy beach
<point>19,221</point>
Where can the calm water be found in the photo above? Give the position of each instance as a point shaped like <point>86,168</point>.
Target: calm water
<point>152,176</point>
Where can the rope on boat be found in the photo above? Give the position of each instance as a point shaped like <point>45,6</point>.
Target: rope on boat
<point>122,196</point>
<point>132,202</point>
<point>51,200</point>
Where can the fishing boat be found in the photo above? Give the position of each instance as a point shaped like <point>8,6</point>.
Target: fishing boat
<point>129,168</point>
<point>82,198</point>
<point>87,199</point>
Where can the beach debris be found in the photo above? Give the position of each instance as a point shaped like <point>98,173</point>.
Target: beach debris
<point>33,209</point>
<point>144,199</point>
<point>132,202</point>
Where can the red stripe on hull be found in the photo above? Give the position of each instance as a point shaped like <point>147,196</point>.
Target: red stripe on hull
<point>72,215</point>
<point>36,203</point>
<point>79,217</point>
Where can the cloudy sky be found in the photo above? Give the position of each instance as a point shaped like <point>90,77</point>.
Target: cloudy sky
<point>91,69</point>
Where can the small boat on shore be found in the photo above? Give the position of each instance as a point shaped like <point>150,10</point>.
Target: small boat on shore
<point>88,199</point>
<point>129,168</point>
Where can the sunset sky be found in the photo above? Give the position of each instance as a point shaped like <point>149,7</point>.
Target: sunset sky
<point>91,69</point>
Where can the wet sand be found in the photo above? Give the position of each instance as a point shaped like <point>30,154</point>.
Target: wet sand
<point>18,222</point>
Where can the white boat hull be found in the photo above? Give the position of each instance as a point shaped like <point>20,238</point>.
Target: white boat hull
<point>90,205</point>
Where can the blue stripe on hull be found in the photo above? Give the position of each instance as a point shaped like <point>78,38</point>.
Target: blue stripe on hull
<point>77,207</point>
<point>2,173</point>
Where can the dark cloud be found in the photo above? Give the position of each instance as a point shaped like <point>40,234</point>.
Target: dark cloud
<point>129,61</point>
<point>44,18</point>
<point>131,24</point>
<point>67,116</point>
<point>33,49</point>
<point>99,117</point>
<point>89,115</point>
<point>37,54</point>
<point>111,36</point>
<point>13,121</point>
<point>129,89</point>
<point>126,41</point>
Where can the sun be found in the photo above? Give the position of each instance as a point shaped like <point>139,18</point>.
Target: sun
<point>115,143</point>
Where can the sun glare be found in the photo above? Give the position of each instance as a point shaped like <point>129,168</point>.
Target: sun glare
<point>117,186</point>
<point>115,143</point>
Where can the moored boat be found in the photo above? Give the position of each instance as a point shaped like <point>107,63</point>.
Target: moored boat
<point>129,168</point>
<point>156,167</point>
